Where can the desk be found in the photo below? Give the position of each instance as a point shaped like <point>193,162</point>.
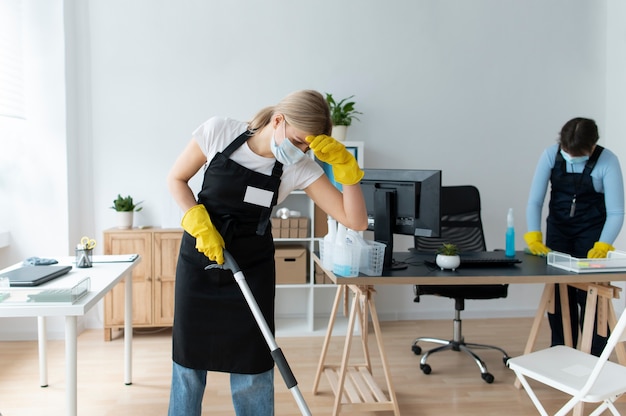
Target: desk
<point>354,388</point>
<point>103,276</point>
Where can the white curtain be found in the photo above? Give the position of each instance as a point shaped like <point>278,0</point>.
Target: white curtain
<point>11,74</point>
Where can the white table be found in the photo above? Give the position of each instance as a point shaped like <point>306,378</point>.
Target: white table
<point>103,277</point>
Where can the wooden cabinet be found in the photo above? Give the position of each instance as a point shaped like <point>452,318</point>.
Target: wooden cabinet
<point>153,278</point>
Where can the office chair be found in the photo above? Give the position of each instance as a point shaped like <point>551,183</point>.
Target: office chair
<point>461,224</point>
<point>584,377</point>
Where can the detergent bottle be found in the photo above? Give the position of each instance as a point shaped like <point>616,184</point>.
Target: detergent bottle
<point>342,258</point>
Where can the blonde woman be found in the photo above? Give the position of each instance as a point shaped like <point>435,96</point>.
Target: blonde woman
<point>248,169</point>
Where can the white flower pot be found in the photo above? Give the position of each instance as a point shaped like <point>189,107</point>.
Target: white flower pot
<point>448,262</point>
<point>339,132</point>
<point>125,219</point>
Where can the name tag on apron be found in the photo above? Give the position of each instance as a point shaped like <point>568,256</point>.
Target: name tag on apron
<point>258,196</point>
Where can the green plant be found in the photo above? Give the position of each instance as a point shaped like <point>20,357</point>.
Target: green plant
<point>448,249</point>
<point>125,204</point>
<point>342,112</point>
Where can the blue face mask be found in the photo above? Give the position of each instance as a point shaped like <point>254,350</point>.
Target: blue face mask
<point>287,153</point>
<point>572,159</point>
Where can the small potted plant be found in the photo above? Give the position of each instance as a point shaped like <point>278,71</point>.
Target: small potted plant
<point>448,256</point>
<point>125,208</point>
<point>342,113</point>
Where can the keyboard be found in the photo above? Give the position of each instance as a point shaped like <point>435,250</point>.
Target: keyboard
<point>488,261</point>
<point>481,259</point>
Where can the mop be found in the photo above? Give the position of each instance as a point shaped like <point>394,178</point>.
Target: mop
<point>277,354</point>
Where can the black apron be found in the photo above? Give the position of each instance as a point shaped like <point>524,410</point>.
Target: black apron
<point>577,212</point>
<point>575,221</point>
<point>214,328</point>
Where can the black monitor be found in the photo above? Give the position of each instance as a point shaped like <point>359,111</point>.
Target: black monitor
<point>401,201</point>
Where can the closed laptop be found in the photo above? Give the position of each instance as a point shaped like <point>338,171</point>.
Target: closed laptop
<point>27,276</point>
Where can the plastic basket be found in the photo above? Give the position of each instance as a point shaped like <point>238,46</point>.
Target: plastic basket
<point>372,258</point>
<point>367,260</point>
<point>614,262</point>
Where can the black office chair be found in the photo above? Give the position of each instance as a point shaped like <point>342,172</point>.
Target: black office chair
<point>461,224</point>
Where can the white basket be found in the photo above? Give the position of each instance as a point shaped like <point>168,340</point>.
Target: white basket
<point>372,258</point>
<point>367,260</point>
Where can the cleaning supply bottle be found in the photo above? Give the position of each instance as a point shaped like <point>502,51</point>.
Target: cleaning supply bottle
<point>510,235</point>
<point>341,258</point>
<point>329,244</point>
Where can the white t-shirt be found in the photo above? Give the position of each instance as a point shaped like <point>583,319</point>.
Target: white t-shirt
<point>215,134</point>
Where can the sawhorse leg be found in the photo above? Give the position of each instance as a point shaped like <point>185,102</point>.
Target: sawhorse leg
<point>353,385</point>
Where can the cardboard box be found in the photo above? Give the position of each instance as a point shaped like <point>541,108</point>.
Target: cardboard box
<point>291,264</point>
<point>320,277</point>
<point>320,225</point>
<point>294,227</point>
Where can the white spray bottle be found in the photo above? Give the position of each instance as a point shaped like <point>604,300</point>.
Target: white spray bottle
<point>329,244</point>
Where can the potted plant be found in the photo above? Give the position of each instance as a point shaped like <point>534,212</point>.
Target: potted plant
<point>448,256</point>
<point>342,113</point>
<point>125,208</point>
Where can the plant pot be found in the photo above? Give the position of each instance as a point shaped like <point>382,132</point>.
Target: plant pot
<point>125,219</point>
<point>448,262</point>
<point>339,132</point>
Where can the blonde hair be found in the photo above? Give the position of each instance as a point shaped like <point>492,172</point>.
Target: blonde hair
<point>306,110</point>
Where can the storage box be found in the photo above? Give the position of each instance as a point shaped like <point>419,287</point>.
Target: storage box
<point>321,278</point>
<point>291,264</point>
<point>293,227</point>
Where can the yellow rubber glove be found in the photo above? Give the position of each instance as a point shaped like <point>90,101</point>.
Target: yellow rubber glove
<point>599,250</point>
<point>197,222</point>
<point>534,239</point>
<point>345,167</point>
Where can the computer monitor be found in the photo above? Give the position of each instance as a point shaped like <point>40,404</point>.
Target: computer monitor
<point>401,201</point>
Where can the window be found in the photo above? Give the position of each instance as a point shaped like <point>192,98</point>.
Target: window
<point>11,59</point>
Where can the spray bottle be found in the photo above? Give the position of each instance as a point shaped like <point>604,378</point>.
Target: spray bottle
<point>510,235</point>
<point>329,244</point>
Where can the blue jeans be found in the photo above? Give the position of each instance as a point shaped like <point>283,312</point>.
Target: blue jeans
<point>252,394</point>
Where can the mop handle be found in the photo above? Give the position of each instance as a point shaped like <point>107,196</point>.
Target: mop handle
<point>276,352</point>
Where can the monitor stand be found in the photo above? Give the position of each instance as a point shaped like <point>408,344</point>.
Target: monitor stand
<point>384,221</point>
<point>395,266</point>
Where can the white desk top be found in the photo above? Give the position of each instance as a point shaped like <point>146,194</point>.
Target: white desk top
<point>103,276</point>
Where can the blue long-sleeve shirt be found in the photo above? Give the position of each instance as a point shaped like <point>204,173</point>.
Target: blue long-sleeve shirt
<point>606,177</point>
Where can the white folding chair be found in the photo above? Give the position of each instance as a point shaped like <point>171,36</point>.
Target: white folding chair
<point>588,379</point>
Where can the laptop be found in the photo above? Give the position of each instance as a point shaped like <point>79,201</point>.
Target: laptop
<point>29,276</point>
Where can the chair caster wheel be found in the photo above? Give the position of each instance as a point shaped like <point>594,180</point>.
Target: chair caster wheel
<point>488,377</point>
<point>426,368</point>
<point>417,350</point>
<point>505,360</point>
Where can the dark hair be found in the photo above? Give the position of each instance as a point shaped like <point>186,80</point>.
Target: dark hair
<point>578,136</point>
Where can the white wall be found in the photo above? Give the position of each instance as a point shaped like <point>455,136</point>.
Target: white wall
<point>615,130</point>
<point>476,89</point>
